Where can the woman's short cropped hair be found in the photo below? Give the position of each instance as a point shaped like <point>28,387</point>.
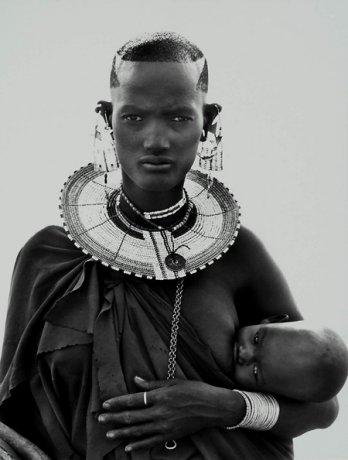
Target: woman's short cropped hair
<point>160,47</point>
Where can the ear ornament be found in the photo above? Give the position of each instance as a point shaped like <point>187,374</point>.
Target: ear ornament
<point>210,149</point>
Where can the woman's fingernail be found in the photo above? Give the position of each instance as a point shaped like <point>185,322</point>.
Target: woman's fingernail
<point>106,405</point>
<point>101,418</point>
<point>128,448</point>
<point>139,379</point>
<point>109,434</point>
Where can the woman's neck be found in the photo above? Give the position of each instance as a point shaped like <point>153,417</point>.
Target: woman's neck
<point>148,201</point>
<point>151,200</point>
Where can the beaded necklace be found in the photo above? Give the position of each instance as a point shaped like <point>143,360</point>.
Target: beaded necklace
<point>149,215</point>
<point>203,229</point>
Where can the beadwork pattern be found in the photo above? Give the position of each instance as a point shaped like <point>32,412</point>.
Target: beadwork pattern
<point>98,230</point>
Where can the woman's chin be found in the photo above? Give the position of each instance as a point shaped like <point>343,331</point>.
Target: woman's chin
<point>159,183</point>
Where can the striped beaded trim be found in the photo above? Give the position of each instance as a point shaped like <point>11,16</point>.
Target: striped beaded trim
<point>85,211</point>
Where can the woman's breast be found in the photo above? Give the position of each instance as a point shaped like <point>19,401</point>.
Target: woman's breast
<point>209,307</point>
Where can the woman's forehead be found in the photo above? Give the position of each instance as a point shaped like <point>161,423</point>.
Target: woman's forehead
<point>140,74</point>
<point>158,82</point>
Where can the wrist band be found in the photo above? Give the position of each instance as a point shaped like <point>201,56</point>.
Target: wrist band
<point>262,412</point>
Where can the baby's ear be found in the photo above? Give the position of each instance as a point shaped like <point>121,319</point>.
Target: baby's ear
<point>276,319</point>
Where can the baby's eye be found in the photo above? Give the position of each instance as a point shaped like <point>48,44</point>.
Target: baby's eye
<point>256,338</point>
<point>255,371</point>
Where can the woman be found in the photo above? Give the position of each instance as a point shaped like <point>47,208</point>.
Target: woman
<point>92,349</point>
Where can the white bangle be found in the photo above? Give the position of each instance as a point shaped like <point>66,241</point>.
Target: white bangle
<point>262,412</point>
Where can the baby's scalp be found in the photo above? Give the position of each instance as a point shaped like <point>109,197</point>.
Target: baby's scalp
<point>322,352</point>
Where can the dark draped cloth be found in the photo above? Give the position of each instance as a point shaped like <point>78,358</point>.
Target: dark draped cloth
<point>76,334</point>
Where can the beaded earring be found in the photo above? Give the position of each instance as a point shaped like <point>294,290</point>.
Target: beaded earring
<point>105,155</point>
<point>210,149</point>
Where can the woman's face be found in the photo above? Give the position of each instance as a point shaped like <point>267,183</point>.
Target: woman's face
<point>157,122</point>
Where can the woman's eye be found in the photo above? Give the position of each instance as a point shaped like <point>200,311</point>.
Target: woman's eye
<point>132,117</point>
<point>256,338</point>
<point>255,371</point>
<point>180,118</point>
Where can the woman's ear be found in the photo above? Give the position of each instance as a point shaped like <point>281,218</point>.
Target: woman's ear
<point>105,110</point>
<point>210,113</point>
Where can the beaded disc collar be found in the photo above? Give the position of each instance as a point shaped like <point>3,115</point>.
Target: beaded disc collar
<point>93,221</point>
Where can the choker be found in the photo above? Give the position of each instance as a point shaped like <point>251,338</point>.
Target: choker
<point>95,223</point>
<point>150,225</point>
<point>152,215</point>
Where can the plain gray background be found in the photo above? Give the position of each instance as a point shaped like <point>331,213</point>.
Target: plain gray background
<point>280,70</point>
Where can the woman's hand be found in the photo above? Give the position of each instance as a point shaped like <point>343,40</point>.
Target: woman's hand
<point>175,408</point>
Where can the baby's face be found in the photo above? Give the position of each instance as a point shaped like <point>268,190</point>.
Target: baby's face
<point>269,359</point>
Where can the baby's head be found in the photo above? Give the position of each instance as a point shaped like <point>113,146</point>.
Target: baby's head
<point>291,359</point>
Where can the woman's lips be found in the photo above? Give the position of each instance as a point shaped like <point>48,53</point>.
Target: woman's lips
<point>156,164</point>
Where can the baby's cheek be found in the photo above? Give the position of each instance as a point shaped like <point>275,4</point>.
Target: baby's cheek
<point>241,376</point>
<point>245,379</point>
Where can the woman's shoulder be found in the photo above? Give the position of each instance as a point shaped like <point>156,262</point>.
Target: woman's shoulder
<point>248,257</point>
<point>50,236</point>
<point>246,244</point>
<point>50,244</point>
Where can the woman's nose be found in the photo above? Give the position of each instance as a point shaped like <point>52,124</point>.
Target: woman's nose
<point>245,355</point>
<point>156,139</point>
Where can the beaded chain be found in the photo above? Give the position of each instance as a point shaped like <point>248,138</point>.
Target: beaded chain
<point>175,329</point>
<point>169,445</point>
<point>179,287</point>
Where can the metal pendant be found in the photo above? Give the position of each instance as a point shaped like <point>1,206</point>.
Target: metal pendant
<point>175,262</point>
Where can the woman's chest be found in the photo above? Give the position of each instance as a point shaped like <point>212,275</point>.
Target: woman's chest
<point>209,307</point>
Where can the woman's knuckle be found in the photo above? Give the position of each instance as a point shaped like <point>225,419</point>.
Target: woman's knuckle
<point>127,418</point>
<point>164,427</point>
<point>137,432</point>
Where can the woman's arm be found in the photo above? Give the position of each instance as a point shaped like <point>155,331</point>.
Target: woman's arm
<point>178,408</point>
<point>264,292</point>
<point>262,289</point>
<point>296,418</point>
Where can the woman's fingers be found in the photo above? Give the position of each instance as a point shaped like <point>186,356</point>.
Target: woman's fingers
<point>153,384</point>
<point>136,431</point>
<point>146,443</point>
<point>134,400</point>
<point>127,417</point>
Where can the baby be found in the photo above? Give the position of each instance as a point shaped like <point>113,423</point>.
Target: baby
<point>291,359</point>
